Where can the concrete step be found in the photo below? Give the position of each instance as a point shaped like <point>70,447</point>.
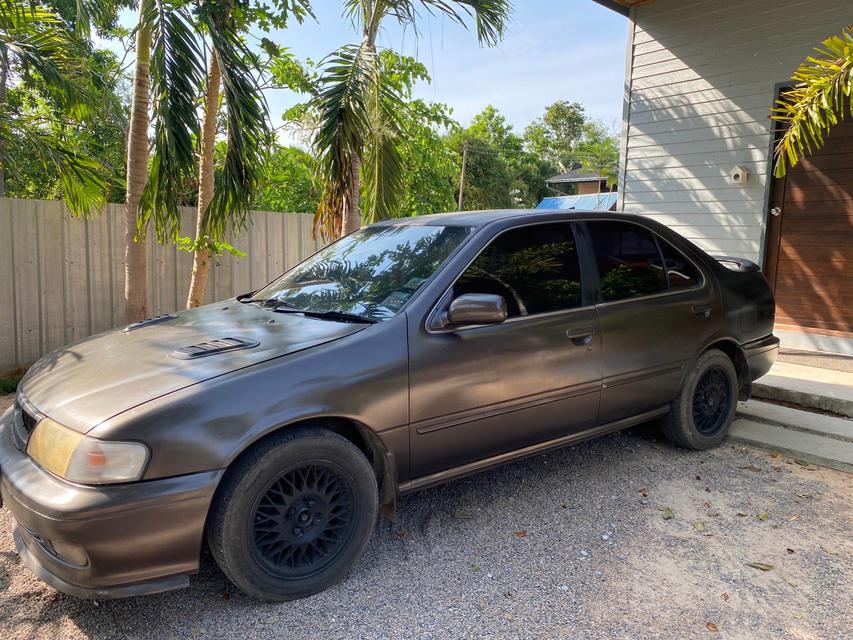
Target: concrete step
<point>811,387</point>
<point>807,421</point>
<point>802,445</point>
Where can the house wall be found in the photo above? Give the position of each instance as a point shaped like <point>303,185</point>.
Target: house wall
<point>588,188</point>
<point>699,88</point>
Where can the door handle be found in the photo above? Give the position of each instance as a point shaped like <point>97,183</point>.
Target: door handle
<point>701,310</point>
<point>581,337</point>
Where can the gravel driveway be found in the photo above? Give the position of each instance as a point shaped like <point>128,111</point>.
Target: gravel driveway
<point>621,537</point>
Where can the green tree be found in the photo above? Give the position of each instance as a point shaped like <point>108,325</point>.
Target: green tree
<point>429,167</point>
<point>500,172</point>
<point>176,41</point>
<point>823,93</point>
<point>598,152</point>
<point>101,137</point>
<point>358,111</point>
<point>554,136</point>
<point>288,183</point>
<point>224,199</point>
<point>37,48</point>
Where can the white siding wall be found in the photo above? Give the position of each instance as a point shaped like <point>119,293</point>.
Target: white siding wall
<point>699,89</point>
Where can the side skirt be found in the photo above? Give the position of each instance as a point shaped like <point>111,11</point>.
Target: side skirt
<point>510,456</point>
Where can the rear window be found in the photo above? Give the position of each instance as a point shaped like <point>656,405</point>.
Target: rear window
<point>680,271</point>
<point>628,260</point>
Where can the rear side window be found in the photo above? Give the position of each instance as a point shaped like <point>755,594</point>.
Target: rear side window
<point>680,271</point>
<point>534,268</point>
<point>628,260</point>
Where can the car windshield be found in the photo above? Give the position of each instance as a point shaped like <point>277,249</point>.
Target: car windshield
<point>371,273</point>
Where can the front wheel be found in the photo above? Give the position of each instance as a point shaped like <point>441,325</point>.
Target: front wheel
<point>293,515</point>
<point>701,415</point>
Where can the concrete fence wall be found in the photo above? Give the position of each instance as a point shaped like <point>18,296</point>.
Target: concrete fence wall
<point>62,278</point>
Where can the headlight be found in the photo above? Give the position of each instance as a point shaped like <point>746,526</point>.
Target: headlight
<point>86,460</point>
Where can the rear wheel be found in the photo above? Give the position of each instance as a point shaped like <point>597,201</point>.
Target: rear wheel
<point>701,415</point>
<point>293,515</point>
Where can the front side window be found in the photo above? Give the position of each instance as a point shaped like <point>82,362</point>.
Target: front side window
<point>370,273</point>
<point>534,268</point>
<point>628,260</point>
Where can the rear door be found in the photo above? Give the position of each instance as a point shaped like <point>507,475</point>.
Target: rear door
<point>481,391</point>
<point>656,310</point>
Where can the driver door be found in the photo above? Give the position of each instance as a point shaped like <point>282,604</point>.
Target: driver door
<point>478,392</point>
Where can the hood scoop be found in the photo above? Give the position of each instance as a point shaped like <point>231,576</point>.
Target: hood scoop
<point>212,347</point>
<point>149,321</point>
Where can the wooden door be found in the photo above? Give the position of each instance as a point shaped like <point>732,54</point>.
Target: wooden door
<point>809,253</point>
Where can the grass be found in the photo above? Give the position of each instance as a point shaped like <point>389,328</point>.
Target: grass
<point>9,382</point>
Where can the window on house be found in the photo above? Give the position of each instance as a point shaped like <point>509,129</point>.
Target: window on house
<point>628,260</point>
<point>534,268</point>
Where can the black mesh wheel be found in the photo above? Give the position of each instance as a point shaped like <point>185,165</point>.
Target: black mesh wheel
<point>700,416</point>
<point>302,521</point>
<point>711,401</point>
<point>294,513</point>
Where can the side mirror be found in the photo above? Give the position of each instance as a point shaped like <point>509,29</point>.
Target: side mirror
<point>476,308</point>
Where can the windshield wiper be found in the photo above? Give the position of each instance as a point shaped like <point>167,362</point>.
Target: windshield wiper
<point>340,316</point>
<point>270,302</point>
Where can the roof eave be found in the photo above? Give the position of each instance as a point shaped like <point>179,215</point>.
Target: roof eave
<point>613,6</point>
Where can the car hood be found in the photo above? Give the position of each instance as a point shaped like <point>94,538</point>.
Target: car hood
<point>92,380</point>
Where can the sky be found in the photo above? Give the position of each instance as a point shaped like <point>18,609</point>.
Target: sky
<point>552,50</point>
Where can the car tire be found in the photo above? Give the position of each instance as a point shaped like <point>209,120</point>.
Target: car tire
<point>701,415</point>
<point>293,514</point>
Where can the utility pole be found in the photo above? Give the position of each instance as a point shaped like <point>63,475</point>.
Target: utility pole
<point>462,176</point>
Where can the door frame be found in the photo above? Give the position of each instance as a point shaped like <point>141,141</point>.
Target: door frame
<point>774,196</point>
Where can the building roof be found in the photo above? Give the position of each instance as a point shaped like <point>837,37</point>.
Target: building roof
<point>622,6</point>
<point>571,177</point>
<point>598,202</point>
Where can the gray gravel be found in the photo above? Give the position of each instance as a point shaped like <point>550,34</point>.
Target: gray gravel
<point>563,545</point>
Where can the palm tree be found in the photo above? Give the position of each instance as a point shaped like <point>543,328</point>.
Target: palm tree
<point>135,255</point>
<point>819,100</point>
<point>174,39</point>
<point>358,110</point>
<point>34,41</point>
<point>225,202</point>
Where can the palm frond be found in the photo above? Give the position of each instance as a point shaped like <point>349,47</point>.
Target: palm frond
<point>248,135</point>
<point>384,182</point>
<point>343,105</point>
<point>36,39</point>
<point>176,75</point>
<point>91,12</point>
<point>83,185</point>
<point>820,99</point>
<point>490,16</point>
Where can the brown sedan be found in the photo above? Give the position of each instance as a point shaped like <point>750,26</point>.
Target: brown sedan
<point>276,425</point>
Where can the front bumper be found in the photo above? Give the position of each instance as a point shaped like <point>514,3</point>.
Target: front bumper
<point>107,541</point>
<point>761,355</point>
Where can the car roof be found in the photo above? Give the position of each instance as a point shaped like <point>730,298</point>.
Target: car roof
<point>482,218</point>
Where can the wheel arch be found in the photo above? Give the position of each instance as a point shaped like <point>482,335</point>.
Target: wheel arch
<point>363,437</point>
<point>736,354</point>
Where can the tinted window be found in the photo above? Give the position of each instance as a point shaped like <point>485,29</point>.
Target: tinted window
<point>372,272</point>
<point>534,268</point>
<point>682,274</point>
<point>629,264</point>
